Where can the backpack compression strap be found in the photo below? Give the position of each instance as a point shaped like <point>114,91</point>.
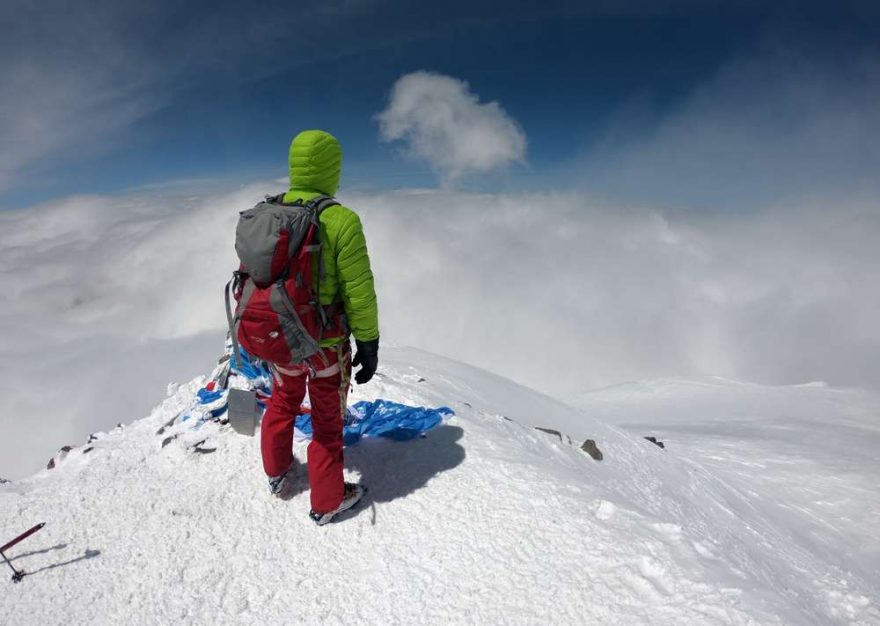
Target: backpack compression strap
<point>319,202</point>
<point>233,319</point>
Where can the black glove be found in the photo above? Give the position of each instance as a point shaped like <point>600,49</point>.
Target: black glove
<point>367,356</point>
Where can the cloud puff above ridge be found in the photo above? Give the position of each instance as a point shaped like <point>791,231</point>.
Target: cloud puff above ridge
<point>443,122</point>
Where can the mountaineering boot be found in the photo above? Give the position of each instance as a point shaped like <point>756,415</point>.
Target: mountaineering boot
<point>276,483</point>
<point>353,494</point>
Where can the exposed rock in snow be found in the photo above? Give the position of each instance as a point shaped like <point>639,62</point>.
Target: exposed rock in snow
<point>550,431</point>
<point>589,446</point>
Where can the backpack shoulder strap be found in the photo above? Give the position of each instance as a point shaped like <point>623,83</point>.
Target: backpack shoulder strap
<point>319,203</point>
<point>322,202</point>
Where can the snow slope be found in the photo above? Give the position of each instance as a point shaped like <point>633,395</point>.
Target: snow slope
<point>485,520</point>
<point>806,457</point>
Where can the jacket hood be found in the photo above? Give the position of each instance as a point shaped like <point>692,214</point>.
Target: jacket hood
<point>315,162</point>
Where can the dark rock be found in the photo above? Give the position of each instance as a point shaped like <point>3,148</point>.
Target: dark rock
<point>420,380</point>
<point>655,442</point>
<point>197,447</point>
<point>87,450</point>
<point>550,431</point>
<point>3,480</point>
<point>590,447</point>
<point>169,423</point>
<point>61,452</point>
<point>468,405</point>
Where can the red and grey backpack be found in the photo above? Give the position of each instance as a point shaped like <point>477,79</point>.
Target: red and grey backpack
<point>278,317</point>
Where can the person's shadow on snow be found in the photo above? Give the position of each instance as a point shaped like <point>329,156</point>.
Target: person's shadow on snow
<point>395,469</point>
<point>298,482</point>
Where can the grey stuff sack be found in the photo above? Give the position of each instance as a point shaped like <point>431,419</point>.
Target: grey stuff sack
<point>268,235</point>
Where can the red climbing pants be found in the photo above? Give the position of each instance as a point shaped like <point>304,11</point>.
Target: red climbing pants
<point>328,392</point>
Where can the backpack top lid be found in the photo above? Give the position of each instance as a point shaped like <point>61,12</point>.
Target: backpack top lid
<point>269,235</point>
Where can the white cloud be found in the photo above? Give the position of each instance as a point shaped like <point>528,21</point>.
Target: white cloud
<point>442,121</point>
<point>563,294</point>
<point>107,299</point>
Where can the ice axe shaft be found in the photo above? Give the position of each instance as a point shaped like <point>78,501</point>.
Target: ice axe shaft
<point>22,537</point>
<point>17,575</point>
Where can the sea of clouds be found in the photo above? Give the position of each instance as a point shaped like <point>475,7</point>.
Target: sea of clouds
<point>108,299</point>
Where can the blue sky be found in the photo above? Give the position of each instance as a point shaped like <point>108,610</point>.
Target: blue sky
<point>105,96</point>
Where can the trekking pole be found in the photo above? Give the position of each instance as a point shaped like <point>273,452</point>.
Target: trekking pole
<point>18,575</point>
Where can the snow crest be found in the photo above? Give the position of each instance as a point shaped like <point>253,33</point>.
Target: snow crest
<point>483,520</point>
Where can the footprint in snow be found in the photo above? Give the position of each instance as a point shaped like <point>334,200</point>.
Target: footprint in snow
<point>605,510</point>
<point>704,550</point>
<point>672,531</point>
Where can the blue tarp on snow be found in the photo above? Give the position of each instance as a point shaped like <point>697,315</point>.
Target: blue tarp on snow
<point>252,369</point>
<point>383,418</point>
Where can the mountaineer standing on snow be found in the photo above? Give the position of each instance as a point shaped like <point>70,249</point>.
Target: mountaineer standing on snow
<point>332,265</point>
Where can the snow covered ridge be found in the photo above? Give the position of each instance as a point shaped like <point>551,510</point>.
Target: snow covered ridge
<point>485,520</point>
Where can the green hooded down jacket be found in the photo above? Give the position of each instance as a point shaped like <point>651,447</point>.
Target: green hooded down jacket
<point>315,167</point>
